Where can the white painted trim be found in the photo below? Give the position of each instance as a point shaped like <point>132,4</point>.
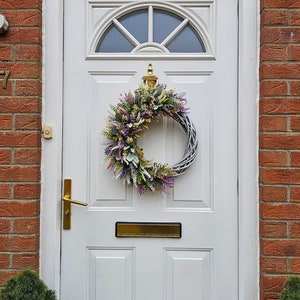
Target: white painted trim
<point>248,163</point>
<point>206,37</point>
<point>248,150</point>
<point>52,149</point>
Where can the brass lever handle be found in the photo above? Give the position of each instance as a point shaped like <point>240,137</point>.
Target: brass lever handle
<point>67,200</point>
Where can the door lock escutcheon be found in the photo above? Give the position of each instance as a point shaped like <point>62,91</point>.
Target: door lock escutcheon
<point>67,201</point>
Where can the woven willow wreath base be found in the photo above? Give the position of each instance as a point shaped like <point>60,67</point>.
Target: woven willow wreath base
<point>128,120</point>
<point>191,146</point>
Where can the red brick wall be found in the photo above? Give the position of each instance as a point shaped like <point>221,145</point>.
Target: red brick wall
<point>20,108</point>
<point>279,144</point>
<point>20,53</point>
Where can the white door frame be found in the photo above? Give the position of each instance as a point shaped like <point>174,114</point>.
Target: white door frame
<point>247,152</point>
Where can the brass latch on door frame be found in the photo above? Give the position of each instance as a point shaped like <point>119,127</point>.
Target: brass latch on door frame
<point>67,201</point>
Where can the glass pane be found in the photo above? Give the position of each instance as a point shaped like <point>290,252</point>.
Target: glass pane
<point>163,24</point>
<point>114,41</point>
<point>187,41</point>
<point>137,24</point>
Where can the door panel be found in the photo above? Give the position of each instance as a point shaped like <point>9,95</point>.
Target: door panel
<point>203,263</point>
<point>195,262</point>
<point>111,273</point>
<point>105,89</point>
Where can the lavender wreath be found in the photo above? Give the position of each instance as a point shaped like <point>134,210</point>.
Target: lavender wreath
<point>130,117</point>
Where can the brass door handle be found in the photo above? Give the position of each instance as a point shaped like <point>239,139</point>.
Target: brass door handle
<point>67,200</point>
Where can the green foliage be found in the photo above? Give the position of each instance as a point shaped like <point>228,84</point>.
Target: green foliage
<point>26,286</point>
<point>291,289</point>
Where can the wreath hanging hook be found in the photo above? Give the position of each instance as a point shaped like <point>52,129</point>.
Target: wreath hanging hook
<point>150,79</point>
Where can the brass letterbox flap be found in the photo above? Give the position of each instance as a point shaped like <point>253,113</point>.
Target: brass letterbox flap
<point>148,229</point>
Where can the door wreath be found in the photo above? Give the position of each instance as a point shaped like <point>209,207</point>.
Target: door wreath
<point>128,119</point>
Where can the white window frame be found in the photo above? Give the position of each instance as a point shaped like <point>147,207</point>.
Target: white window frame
<point>165,53</point>
<point>248,146</point>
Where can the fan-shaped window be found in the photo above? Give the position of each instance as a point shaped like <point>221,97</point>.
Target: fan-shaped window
<point>149,29</point>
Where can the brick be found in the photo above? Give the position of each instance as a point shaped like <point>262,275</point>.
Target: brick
<point>4,190</point>
<point>280,35</point>
<point>9,89</point>
<point>20,105</point>
<point>295,52</point>
<point>25,260</point>
<point>25,35</point>
<point>272,158</point>
<point>274,229</point>
<point>26,226</point>
<point>4,261</point>
<point>280,106</point>
<point>274,17</point>
<point>295,229</point>
<point>295,265</point>
<point>273,88</point>
<point>23,17</point>
<point>19,243</point>
<point>5,121</point>
<point>294,17</point>
<point>273,265</point>
<point>5,52</point>
<point>28,52</point>
<point>19,4</point>
<point>279,211</point>
<point>280,247</point>
<point>272,283</point>
<point>19,209</point>
<point>4,225</point>
<point>273,52</point>
<point>269,296</point>
<point>280,70</point>
<point>5,156</point>
<point>281,3</point>
<point>273,193</point>
<point>295,123</point>
<point>295,193</point>
<point>272,123</point>
<point>295,88</point>
<point>279,141</point>
<point>280,176</point>
<point>27,156</point>
<point>295,158</point>
<point>26,191</point>
<point>19,173</point>
<point>21,139</point>
<point>27,122</point>
<point>26,70</point>
<point>28,88</point>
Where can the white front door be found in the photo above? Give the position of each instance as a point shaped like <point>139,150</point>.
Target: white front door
<point>193,48</point>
